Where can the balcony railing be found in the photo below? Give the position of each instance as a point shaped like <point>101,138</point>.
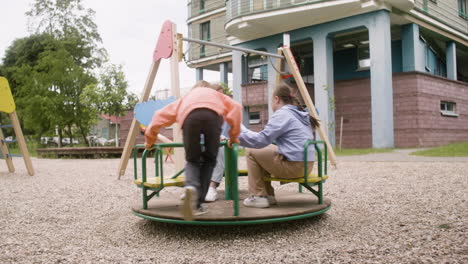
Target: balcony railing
<point>196,8</point>
<point>447,13</point>
<point>195,50</point>
<point>237,8</point>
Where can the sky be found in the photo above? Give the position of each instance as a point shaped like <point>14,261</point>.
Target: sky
<point>129,30</point>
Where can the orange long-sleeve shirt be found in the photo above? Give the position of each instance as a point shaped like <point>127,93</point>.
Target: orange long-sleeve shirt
<point>202,97</point>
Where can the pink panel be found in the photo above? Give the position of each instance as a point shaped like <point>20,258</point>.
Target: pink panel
<point>165,42</point>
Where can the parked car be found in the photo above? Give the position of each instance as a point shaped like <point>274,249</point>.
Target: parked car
<point>66,141</point>
<point>47,140</point>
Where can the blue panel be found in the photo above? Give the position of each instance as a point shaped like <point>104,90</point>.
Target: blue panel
<point>345,63</point>
<point>144,111</point>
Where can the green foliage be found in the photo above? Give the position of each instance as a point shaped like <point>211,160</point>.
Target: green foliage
<point>226,89</point>
<point>112,90</point>
<point>451,150</point>
<point>69,20</point>
<point>53,72</point>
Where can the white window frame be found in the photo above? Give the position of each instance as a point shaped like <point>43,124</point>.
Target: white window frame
<point>255,121</point>
<point>444,108</point>
<point>367,62</point>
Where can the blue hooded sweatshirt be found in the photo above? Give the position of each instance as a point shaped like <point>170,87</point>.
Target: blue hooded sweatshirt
<point>289,127</point>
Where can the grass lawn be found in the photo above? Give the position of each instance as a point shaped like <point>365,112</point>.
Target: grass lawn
<point>450,150</point>
<point>352,152</point>
<point>32,146</point>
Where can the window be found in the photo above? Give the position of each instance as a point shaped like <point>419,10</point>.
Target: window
<point>462,9</point>
<point>202,5</point>
<point>254,118</point>
<point>363,55</point>
<point>258,69</point>
<point>448,108</point>
<point>205,35</point>
<point>258,73</point>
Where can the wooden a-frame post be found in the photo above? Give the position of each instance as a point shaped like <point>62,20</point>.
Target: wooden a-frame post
<point>307,100</point>
<point>164,49</point>
<point>7,105</point>
<point>175,89</point>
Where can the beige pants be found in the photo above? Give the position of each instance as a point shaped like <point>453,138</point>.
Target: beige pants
<point>267,162</point>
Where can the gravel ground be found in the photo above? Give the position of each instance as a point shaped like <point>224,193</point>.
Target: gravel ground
<point>76,211</point>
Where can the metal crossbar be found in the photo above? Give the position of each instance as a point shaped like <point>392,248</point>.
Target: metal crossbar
<point>14,155</point>
<point>208,43</point>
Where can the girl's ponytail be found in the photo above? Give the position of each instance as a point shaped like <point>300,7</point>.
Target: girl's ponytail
<point>285,93</point>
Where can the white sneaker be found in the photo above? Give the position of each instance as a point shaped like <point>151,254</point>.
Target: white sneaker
<point>272,200</point>
<point>189,204</point>
<point>256,201</point>
<point>211,195</point>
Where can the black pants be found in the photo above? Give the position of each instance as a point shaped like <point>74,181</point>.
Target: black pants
<point>201,161</point>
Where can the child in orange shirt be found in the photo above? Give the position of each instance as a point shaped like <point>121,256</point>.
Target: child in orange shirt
<point>200,111</point>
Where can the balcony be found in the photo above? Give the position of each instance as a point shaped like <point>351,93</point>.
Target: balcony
<point>447,12</point>
<point>252,19</point>
<point>198,8</point>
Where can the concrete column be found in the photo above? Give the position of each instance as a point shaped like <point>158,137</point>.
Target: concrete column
<point>412,50</point>
<point>324,83</point>
<point>199,74</point>
<point>381,81</point>
<point>223,72</point>
<point>239,75</point>
<point>271,78</point>
<point>451,59</point>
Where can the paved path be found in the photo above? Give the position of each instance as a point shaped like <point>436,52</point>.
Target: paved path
<point>400,155</point>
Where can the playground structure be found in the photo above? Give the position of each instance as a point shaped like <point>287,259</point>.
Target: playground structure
<point>7,105</point>
<point>296,206</point>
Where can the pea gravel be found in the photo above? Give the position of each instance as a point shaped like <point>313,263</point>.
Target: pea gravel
<point>76,211</point>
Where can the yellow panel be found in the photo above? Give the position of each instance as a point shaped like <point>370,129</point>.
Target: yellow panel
<point>7,104</point>
<point>155,182</point>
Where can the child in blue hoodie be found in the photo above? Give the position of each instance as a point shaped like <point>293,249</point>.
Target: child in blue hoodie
<point>289,127</point>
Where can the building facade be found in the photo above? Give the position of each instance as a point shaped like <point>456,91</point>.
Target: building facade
<point>394,71</point>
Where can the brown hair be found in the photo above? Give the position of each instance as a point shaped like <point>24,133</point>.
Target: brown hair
<point>287,96</point>
<point>202,83</point>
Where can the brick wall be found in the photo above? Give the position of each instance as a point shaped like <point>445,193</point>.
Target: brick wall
<point>352,102</point>
<point>254,98</point>
<point>405,110</point>
<point>416,107</point>
<point>434,128</point>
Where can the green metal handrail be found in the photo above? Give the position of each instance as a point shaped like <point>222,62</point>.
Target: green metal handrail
<point>320,168</point>
<point>231,170</point>
<point>319,157</point>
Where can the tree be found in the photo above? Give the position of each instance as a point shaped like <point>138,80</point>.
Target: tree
<point>47,83</point>
<point>53,72</point>
<point>112,90</point>
<point>70,21</point>
<point>34,101</point>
